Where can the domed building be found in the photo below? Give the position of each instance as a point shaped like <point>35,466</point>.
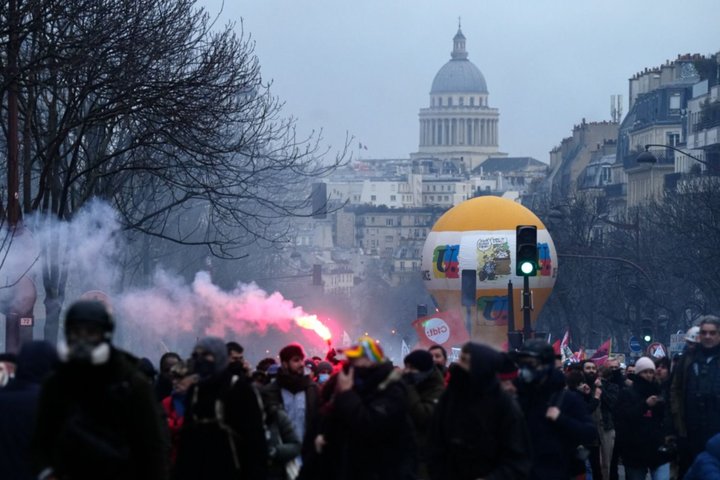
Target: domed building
<point>459,125</point>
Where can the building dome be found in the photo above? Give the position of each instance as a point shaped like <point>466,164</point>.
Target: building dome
<point>459,75</point>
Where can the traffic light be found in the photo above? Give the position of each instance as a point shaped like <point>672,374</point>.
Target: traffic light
<point>646,332</point>
<point>526,251</point>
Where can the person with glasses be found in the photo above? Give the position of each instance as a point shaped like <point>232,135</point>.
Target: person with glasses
<point>695,393</point>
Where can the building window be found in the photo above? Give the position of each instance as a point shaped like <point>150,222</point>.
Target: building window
<point>389,222</point>
<point>472,101</point>
<point>675,101</point>
<point>373,198</point>
<point>449,102</point>
<point>388,238</point>
<point>673,139</point>
<point>439,102</point>
<point>462,101</point>
<point>392,198</point>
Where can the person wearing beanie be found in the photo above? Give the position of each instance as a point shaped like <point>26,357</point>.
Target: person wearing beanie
<point>640,427</point>
<point>478,430</point>
<point>694,393</point>
<point>296,393</point>
<point>100,386</point>
<point>324,370</point>
<point>223,432</point>
<point>425,384</point>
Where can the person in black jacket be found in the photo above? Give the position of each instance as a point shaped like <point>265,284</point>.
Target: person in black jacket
<point>365,426</point>
<point>478,430</point>
<point>97,416</point>
<point>639,426</point>
<point>18,404</point>
<point>223,436</point>
<point>557,418</point>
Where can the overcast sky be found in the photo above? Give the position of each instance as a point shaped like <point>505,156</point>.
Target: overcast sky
<point>365,67</point>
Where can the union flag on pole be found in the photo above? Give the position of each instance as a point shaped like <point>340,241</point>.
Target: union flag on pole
<point>602,353</point>
<point>441,328</point>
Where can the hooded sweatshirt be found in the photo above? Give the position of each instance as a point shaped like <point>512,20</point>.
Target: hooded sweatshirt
<point>707,464</point>
<point>478,430</point>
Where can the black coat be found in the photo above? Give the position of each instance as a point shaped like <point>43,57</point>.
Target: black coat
<point>478,430</point>
<point>554,443</point>
<point>639,429</point>
<point>368,430</point>
<point>209,449</point>
<point>18,405</point>
<point>100,422</point>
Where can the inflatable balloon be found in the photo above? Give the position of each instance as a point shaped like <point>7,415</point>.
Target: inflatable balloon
<point>478,236</point>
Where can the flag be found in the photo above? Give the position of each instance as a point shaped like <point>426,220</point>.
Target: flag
<point>580,355</point>
<point>346,341</point>
<point>404,349</point>
<point>602,353</point>
<point>441,328</point>
<point>556,347</point>
<point>565,347</point>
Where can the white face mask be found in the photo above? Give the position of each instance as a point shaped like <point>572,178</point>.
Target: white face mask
<point>4,375</point>
<point>95,355</point>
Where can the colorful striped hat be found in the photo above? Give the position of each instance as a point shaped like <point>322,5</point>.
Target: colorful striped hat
<point>365,347</point>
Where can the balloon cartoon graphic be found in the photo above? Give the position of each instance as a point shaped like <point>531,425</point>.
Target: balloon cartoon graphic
<point>478,236</point>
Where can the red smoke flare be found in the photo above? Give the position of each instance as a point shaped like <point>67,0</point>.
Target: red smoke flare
<point>311,322</point>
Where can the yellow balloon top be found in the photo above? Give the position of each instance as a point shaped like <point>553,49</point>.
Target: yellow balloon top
<point>486,213</point>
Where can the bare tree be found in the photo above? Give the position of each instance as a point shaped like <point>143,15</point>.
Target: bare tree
<point>148,105</point>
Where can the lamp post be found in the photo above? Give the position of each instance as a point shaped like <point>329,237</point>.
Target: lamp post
<point>648,157</point>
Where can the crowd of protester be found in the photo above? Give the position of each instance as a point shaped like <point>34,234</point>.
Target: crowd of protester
<point>88,410</point>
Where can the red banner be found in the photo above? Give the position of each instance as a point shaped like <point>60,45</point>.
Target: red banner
<point>602,353</point>
<point>441,328</point>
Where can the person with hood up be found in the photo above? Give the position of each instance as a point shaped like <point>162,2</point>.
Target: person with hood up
<point>639,425</point>
<point>97,416</point>
<point>365,427</point>
<point>223,436</point>
<point>18,404</point>
<point>557,419</point>
<point>425,384</point>
<point>707,464</point>
<point>478,430</point>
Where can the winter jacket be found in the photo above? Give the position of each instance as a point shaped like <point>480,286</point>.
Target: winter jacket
<point>18,405</point>
<point>368,430</point>
<point>707,464</point>
<point>223,432</point>
<point>423,398</point>
<point>272,398</point>
<point>283,444</point>
<point>555,442</point>
<point>100,422</point>
<point>640,429</point>
<point>478,431</point>
<point>696,389</point>
<point>175,422</point>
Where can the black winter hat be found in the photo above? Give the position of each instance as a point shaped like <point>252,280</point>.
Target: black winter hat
<point>420,359</point>
<point>89,312</point>
<point>537,348</point>
<point>290,351</point>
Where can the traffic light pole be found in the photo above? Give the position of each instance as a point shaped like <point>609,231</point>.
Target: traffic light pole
<point>526,307</point>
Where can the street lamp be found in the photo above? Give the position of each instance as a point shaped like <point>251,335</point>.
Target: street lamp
<point>648,157</point>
